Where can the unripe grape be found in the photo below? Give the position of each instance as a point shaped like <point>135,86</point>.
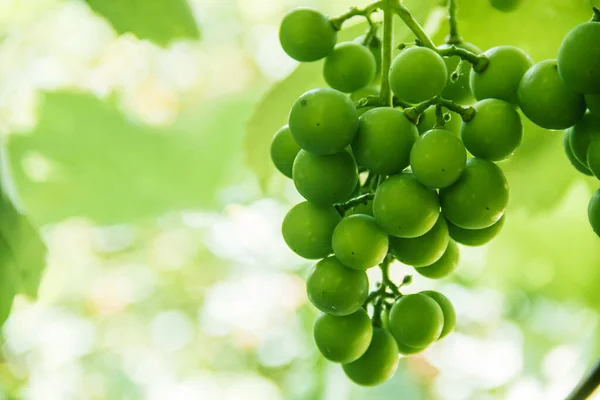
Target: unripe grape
<point>325,180</point>
<point>378,364</point>
<point>359,243</point>
<point>445,265</point>
<point>349,67</point>
<point>335,289</point>
<point>581,135</point>
<point>428,120</point>
<point>447,310</point>
<point>306,34</point>
<point>323,121</point>
<point>460,89</point>
<point>423,250</point>
<point>375,47</point>
<point>505,5</point>
<point>402,348</point>
<point>475,237</point>
<point>416,320</point>
<point>593,103</point>
<point>403,207</point>
<point>343,339</point>
<point>571,157</point>
<point>417,74</point>
<point>284,150</point>
<point>495,132</point>
<point>579,58</point>
<point>594,212</point>
<point>546,100</point>
<point>438,158</point>
<point>383,141</point>
<point>500,79</point>
<point>478,199</point>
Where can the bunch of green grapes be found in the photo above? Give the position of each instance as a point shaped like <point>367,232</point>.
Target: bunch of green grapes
<point>407,170</point>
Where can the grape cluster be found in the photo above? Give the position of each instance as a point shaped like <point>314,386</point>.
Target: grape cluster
<point>408,171</point>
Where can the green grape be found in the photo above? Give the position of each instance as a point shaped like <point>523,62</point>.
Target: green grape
<point>459,90</point>
<point>593,155</point>
<point>475,237</point>
<point>402,348</point>
<point>416,320</point>
<point>594,212</point>
<point>335,289</point>
<point>306,34</point>
<point>500,80</point>
<point>445,265</point>
<point>423,250</point>
<point>349,67</point>
<point>323,121</point>
<point>343,339</point>
<point>383,141</point>
<point>284,150</point>
<point>447,309</point>
<point>375,47</point>
<point>378,364</point>
<point>428,120</point>
<point>307,229</point>
<point>495,132</point>
<point>572,159</point>
<point>478,199</point>
<point>403,207</point>
<point>325,180</point>
<point>359,243</point>
<point>581,135</point>
<point>505,5</point>
<point>579,58</point>
<point>365,207</point>
<point>593,103</point>
<point>417,74</point>
<point>546,100</point>
<point>438,158</point>
<point>361,93</point>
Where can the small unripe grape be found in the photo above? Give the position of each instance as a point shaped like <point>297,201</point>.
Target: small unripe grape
<point>428,120</point>
<point>325,180</point>
<point>478,199</point>
<point>403,207</point>
<point>581,135</point>
<point>593,103</point>
<point>378,364</point>
<point>571,157</point>
<point>359,243</point>
<point>546,100</point>
<point>445,265</point>
<point>423,250</point>
<point>284,150</point>
<point>505,5</point>
<point>438,158</point>
<point>383,141</point>
<point>375,47</point>
<point>460,89</point>
<point>323,121</point>
<point>500,80</point>
<point>416,320</point>
<point>447,309</point>
<point>307,229</point>
<point>349,67</point>
<point>402,348</point>
<point>417,74</point>
<point>335,289</point>
<point>495,132</point>
<point>475,237</point>
<point>594,212</point>
<point>306,34</point>
<point>343,339</point>
<point>579,58</point>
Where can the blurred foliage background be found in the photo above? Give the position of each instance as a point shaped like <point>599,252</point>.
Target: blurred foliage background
<point>137,135</point>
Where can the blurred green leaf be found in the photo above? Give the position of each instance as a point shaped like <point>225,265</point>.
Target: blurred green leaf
<point>160,21</point>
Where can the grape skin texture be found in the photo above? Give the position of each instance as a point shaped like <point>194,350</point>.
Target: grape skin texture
<point>336,290</point>
<point>417,74</point>
<point>349,67</point>
<point>495,132</point>
<point>423,250</point>
<point>447,310</point>
<point>571,156</point>
<point>594,212</point>
<point>323,121</point>
<point>284,150</point>
<point>581,135</point>
<point>359,243</point>
<point>383,141</point>
<point>306,34</point>
<point>579,58</point>
<point>325,180</point>
<point>500,80</point>
<point>378,364</point>
<point>478,199</point>
<point>403,207</point>
<point>546,100</point>
<point>416,320</point>
<point>459,90</point>
<point>445,265</point>
<point>307,229</point>
<point>343,339</point>
<point>475,237</point>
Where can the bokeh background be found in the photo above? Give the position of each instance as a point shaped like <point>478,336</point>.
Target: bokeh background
<point>137,135</point>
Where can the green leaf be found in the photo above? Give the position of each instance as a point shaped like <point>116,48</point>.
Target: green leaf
<point>272,111</point>
<point>160,21</point>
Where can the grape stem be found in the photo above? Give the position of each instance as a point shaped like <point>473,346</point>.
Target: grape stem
<point>363,198</point>
<point>355,12</point>
<point>587,385</point>
<point>413,113</point>
<point>453,36</point>
<point>439,116</point>
<point>385,92</point>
